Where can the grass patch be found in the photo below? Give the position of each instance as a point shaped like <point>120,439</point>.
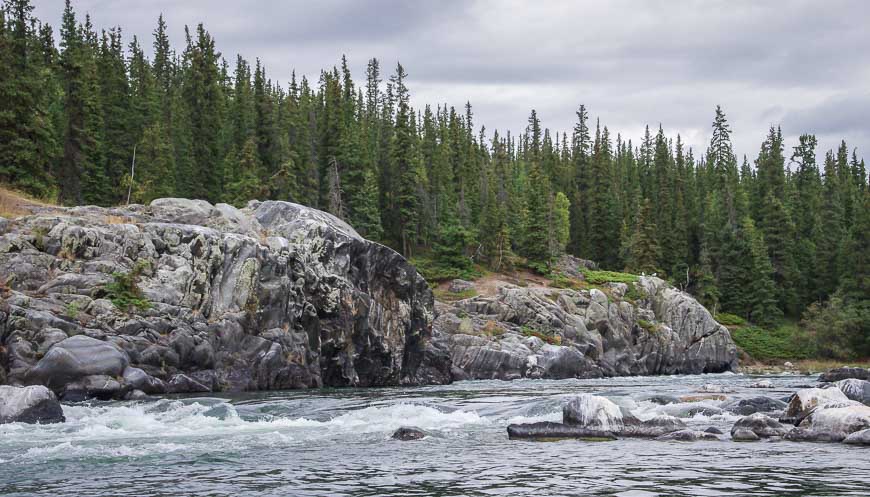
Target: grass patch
<point>785,342</point>
<point>730,319</point>
<point>647,325</point>
<point>124,290</point>
<point>492,329</point>
<point>433,271</point>
<point>547,337</point>
<point>448,296</point>
<point>562,281</point>
<point>632,294</point>
<point>601,277</point>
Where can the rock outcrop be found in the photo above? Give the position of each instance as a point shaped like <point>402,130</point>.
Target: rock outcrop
<point>272,296</point>
<point>844,373</point>
<point>563,333</point>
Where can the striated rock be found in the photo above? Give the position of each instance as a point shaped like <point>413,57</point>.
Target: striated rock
<point>837,422</point>
<point>855,389</point>
<point>805,400</point>
<point>553,431</point>
<point>590,333</point>
<point>745,407</point>
<point>687,436</point>
<point>845,373</point>
<point>33,404</point>
<point>406,434</point>
<point>761,425</point>
<point>272,296</point>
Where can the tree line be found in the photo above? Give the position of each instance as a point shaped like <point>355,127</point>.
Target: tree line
<point>781,236</point>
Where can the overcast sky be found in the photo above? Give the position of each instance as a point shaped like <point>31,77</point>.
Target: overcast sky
<point>802,64</point>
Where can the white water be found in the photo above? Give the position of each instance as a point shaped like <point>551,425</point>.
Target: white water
<point>339,442</point>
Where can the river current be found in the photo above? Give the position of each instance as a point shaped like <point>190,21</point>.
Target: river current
<point>337,442</point>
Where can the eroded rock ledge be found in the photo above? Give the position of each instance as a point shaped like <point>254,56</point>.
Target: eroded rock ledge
<point>272,296</point>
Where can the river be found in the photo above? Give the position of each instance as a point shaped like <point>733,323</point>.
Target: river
<point>337,442</point>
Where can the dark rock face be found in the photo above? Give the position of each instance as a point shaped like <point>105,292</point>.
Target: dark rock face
<point>273,296</point>
<point>33,404</point>
<point>594,334</point>
<point>761,425</point>
<point>845,373</point>
<point>406,434</point>
<point>745,407</point>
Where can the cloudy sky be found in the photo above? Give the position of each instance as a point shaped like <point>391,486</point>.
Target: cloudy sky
<point>801,64</point>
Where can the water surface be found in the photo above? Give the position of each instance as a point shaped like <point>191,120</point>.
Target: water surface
<point>337,442</point>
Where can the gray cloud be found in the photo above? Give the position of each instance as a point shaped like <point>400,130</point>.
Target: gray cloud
<point>799,63</point>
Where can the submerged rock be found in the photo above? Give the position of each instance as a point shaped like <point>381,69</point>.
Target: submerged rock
<point>33,404</point>
<point>761,425</point>
<point>745,407</point>
<point>273,296</point>
<point>845,373</point>
<point>714,430</point>
<point>408,433</point>
<point>550,430</point>
<point>688,436</point>
<point>744,435</point>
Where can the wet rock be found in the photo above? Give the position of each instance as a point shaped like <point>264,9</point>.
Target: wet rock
<point>762,384</point>
<point>408,433</point>
<point>651,428</point>
<point>140,380</point>
<point>804,401</point>
<point>798,434</point>
<point>744,435</point>
<point>593,412</point>
<point>33,404</point>
<point>552,431</point>
<point>75,358</point>
<point>761,425</point>
<point>714,430</point>
<point>845,373</point>
<point>181,383</point>
<point>858,438</point>
<point>836,421</point>
<point>662,400</point>
<point>138,395</point>
<point>713,388</point>
<point>687,436</point>
<point>854,389</point>
<point>100,387</point>
<point>745,407</point>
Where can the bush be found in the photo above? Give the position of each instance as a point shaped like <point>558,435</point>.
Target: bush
<point>124,291</point>
<point>783,342</point>
<point>633,294</point>
<point>562,281</point>
<point>647,325</point>
<point>437,272</point>
<point>730,319</point>
<point>601,277</point>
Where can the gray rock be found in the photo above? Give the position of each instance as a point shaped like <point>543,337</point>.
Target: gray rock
<point>744,435</point>
<point>100,387</point>
<point>687,436</point>
<point>181,383</point>
<point>804,401</point>
<point>855,389</point>
<point>75,358</point>
<point>798,434</point>
<point>408,433</point>
<point>662,400</point>
<point>140,380</point>
<point>837,421</point>
<point>845,373</point>
<point>555,431</point>
<point>459,286</point>
<point>761,425</point>
<point>600,414</point>
<point>273,296</point>
<point>714,430</point>
<point>745,407</point>
<point>33,404</point>
<point>858,438</point>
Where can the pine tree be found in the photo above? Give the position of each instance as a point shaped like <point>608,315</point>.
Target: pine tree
<point>246,184</point>
<point>644,250</point>
<point>561,223</point>
<point>155,164</point>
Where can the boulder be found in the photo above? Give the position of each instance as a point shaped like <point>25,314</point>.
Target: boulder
<point>75,358</point>
<point>837,422</point>
<point>555,431</point>
<point>98,386</point>
<point>845,373</point>
<point>855,389</point>
<point>745,407</point>
<point>181,383</point>
<point>459,286</point>
<point>714,430</point>
<point>593,412</point>
<point>858,438</point>
<point>32,404</point>
<point>651,428</point>
<point>408,433</point>
<point>140,380</point>
<point>762,384</point>
<point>761,425</point>
<point>798,434</point>
<point>744,435</point>
<point>687,436</point>
<point>804,401</point>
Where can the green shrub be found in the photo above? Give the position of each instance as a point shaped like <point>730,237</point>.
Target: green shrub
<point>783,342</point>
<point>730,319</point>
<point>562,281</point>
<point>434,271</point>
<point>633,294</point>
<point>648,325</point>
<point>601,277</point>
<point>124,290</point>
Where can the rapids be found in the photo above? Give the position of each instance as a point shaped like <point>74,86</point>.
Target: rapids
<point>337,442</point>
